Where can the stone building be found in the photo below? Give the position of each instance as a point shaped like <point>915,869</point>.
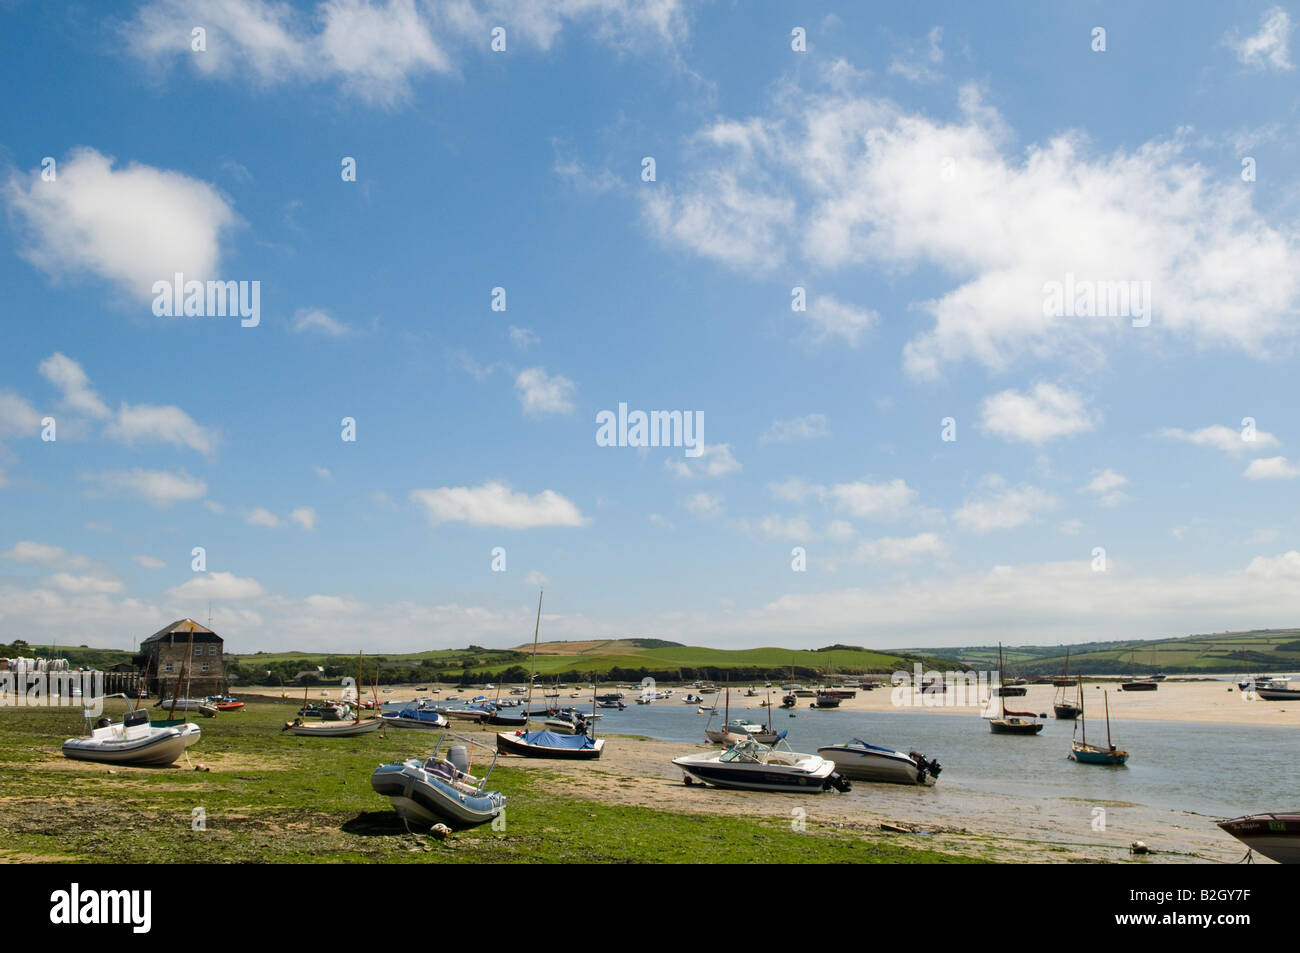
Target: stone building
<point>165,655</point>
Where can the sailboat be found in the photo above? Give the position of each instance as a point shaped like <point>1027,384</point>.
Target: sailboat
<point>545,743</point>
<point>1013,722</point>
<point>336,729</point>
<point>1135,684</point>
<point>1062,707</point>
<point>1085,753</point>
<point>731,731</point>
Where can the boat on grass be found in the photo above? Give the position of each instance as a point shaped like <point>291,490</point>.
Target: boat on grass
<point>438,789</point>
<point>133,741</point>
<point>751,766</point>
<point>865,762</point>
<point>414,717</point>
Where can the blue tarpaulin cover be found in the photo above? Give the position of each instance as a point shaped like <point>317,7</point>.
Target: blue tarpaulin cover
<point>550,739</point>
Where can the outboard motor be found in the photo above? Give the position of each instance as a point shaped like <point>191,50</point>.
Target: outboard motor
<point>923,766</point>
<point>459,757</point>
<point>839,782</point>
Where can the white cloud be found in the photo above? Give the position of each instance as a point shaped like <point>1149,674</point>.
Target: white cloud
<point>874,500</point>
<point>83,584</point>
<point>523,338</point>
<point>810,427</point>
<point>323,473</point>
<point>1271,468</point>
<point>375,48</point>
<point>142,423</point>
<point>17,417</point>
<point>847,181</point>
<point>1004,507</point>
<point>779,527</point>
<point>715,460</point>
<point>160,487</point>
<point>1263,537</point>
<point>262,517</point>
<point>1283,567</point>
<point>148,562</point>
<point>840,530</point>
<point>31,553</point>
<point>829,319</point>
<point>71,380</point>
<point>318,321</point>
<point>920,68</point>
<point>1047,412</point>
<point>131,226</point>
<point>217,586</point>
<point>704,505</point>
<point>495,504</point>
<point>893,549</point>
<point>305,517</point>
<point>1222,438</point>
<point>661,521</point>
<point>541,394</point>
<point>535,578</point>
<point>1106,487</point>
<point>1270,47</point>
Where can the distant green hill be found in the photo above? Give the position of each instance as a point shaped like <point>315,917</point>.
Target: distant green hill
<point>1260,650</point>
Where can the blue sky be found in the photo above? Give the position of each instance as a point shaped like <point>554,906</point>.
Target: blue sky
<point>923,174</point>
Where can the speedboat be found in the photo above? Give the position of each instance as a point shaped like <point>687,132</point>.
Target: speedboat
<point>134,741</point>
<point>549,744</point>
<point>413,717</point>
<point>438,789</point>
<point>1277,690</point>
<point>751,766</point>
<point>864,762</point>
<point>1276,836</point>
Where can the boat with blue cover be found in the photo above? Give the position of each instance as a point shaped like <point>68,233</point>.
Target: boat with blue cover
<point>425,792</point>
<point>549,744</point>
<point>414,717</point>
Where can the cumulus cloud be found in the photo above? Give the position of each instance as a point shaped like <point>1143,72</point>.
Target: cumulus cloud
<point>829,320</point>
<point>217,586</point>
<point>1045,413</point>
<point>148,562</point>
<point>305,517</point>
<point>375,49</point>
<point>715,460</point>
<point>74,384</point>
<point>1003,506</point>
<point>17,417</point>
<point>495,504</point>
<point>146,423</point>
<point>541,394</point>
<point>906,549</point>
<point>810,427</point>
<point>1223,438</point>
<point>1271,468</point>
<point>1106,487</point>
<point>704,505</point>
<point>262,517</point>
<point>845,180</point>
<point>161,488</point>
<point>1270,47</point>
<point>131,226</point>
<point>31,553</point>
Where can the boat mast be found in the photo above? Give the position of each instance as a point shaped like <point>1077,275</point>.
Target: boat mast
<point>533,677</point>
<point>1106,698</point>
<point>1002,696</point>
<point>1083,721</point>
<point>358,698</point>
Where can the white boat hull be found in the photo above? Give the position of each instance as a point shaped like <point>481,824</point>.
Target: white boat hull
<point>160,746</point>
<point>882,766</point>
<point>336,729</point>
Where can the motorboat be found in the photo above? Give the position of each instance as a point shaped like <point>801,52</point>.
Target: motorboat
<point>1277,690</point>
<point>1275,835</point>
<point>751,766</point>
<point>414,717</point>
<point>134,741</point>
<point>549,744</point>
<point>866,762</point>
<point>438,789</point>
<point>1140,685</point>
<point>826,700</point>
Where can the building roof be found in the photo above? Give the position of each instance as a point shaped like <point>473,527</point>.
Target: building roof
<point>179,627</point>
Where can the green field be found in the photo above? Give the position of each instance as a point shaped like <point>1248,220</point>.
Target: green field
<point>272,797</point>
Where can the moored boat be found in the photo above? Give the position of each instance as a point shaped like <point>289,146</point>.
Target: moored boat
<point>1275,835</point>
<point>414,717</point>
<point>865,762</point>
<point>751,766</point>
<point>1085,753</point>
<point>549,744</point>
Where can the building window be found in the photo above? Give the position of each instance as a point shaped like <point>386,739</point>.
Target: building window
<point>205,666</point>
<point>198,650</point>
<point>169,666</point>
<point>212,650</point>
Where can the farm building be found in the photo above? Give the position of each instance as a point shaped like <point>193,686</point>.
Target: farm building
<point>164,655</point>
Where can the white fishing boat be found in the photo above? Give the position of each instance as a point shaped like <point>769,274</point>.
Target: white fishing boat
<point>134,741</point>
<point>864,762</point>
<point>751,766</point>
<point>1275,835</point>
